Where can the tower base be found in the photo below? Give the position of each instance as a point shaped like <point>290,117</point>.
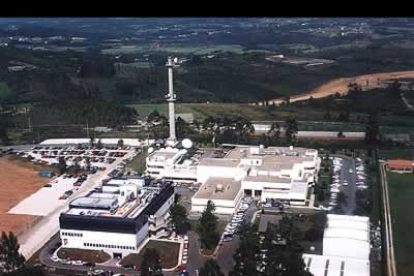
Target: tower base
<point>171,142</point>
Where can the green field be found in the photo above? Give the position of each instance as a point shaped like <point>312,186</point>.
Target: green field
<point>200,50</point>
<point>396,153</point>
<point>252,112</point>
<point>138,163</point>
<point>401,192</point>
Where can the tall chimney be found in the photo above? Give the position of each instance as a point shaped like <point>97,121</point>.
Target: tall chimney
<point>171,98</point>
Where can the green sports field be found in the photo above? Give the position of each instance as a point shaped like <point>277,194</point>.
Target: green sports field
<point>401,193</point>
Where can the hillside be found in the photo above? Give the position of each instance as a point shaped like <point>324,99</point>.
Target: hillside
<point>341,85</point>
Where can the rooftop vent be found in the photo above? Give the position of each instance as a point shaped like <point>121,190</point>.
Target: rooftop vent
<point>219,187</point>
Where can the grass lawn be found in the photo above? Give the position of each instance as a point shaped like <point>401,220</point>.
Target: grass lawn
<point>138,163</point>
<point>396,153</point>
<point>91,256</point>
<point>168,252</point>
<point>401,192</point>
<point>221,225</point>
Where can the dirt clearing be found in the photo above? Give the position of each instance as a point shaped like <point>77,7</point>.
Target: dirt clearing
<point>18,180</point>
<point>340,85</point>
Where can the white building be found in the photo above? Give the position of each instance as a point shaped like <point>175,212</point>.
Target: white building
<point>264,173</point>
<point>115,217</point>
<point>225,193</point>
<point>171,164</point>
<point>346,248</point>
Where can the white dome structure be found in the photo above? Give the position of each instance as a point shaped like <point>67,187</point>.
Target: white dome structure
<point>187,143</point>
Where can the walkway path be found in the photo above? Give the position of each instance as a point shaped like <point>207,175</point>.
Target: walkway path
<point>391,267</point>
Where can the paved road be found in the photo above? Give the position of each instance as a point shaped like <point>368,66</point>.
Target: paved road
<point>391,266</point>
<point>225,254</point>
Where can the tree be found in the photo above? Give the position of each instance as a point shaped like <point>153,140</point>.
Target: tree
<point>92,142</point>
<point>88,163</point>
<point>321,195</point>
<point>210,268</point>
<point>291,130</point>
<point>120,143</point>
<point>99,144</point>
<point>274,130</point>
<point>207,227</point>
<point>62,165</point>
<point>26,271</point>
<point>151,263</point>
<point>243,127</point>
<point>247,255</point>
<point>394,89</point>
<point>372,131</point>
<point>10,258</point>
<point>178,217</point>
<point>327,115</point>
<point>76,167</point>
<point>283,259</point>
<point>183,128</point>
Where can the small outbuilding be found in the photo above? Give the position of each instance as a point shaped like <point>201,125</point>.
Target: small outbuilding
<point>400,165</point>
<point>47,173</point>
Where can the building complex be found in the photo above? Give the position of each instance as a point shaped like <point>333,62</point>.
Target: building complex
<point>281,173</point>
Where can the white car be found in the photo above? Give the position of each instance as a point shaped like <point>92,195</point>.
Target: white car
<point>185,238</point>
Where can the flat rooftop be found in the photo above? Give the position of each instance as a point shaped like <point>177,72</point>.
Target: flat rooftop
<point>219,188</point>
<point>221,162</point>
<point>105,199</point>
<point>267,179</point>
<point>94,203</point>
<point>162,154</point>
<point>271,152</point>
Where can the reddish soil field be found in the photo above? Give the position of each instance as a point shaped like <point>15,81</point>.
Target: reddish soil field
<point>19,179</point>
<point>341,85</point>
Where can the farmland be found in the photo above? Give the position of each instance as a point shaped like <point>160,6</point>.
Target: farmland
<point>401,191</point>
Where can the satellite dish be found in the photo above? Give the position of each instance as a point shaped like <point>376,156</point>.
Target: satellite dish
<point>175,60</point>
<point>150,149</point>
<point>187,143</point>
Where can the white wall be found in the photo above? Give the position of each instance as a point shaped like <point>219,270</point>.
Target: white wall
<point>222,206</point>
<point>205,172</point>
<point>104,238</point>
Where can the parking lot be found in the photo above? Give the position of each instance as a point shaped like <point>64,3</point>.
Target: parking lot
<point>237,218</point>
<point>54,194</point>
<point>348,177</point>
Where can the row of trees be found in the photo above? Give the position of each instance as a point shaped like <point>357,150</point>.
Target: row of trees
<point>279,253</point>
<point>206,226</point>
<point>12,263</point>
